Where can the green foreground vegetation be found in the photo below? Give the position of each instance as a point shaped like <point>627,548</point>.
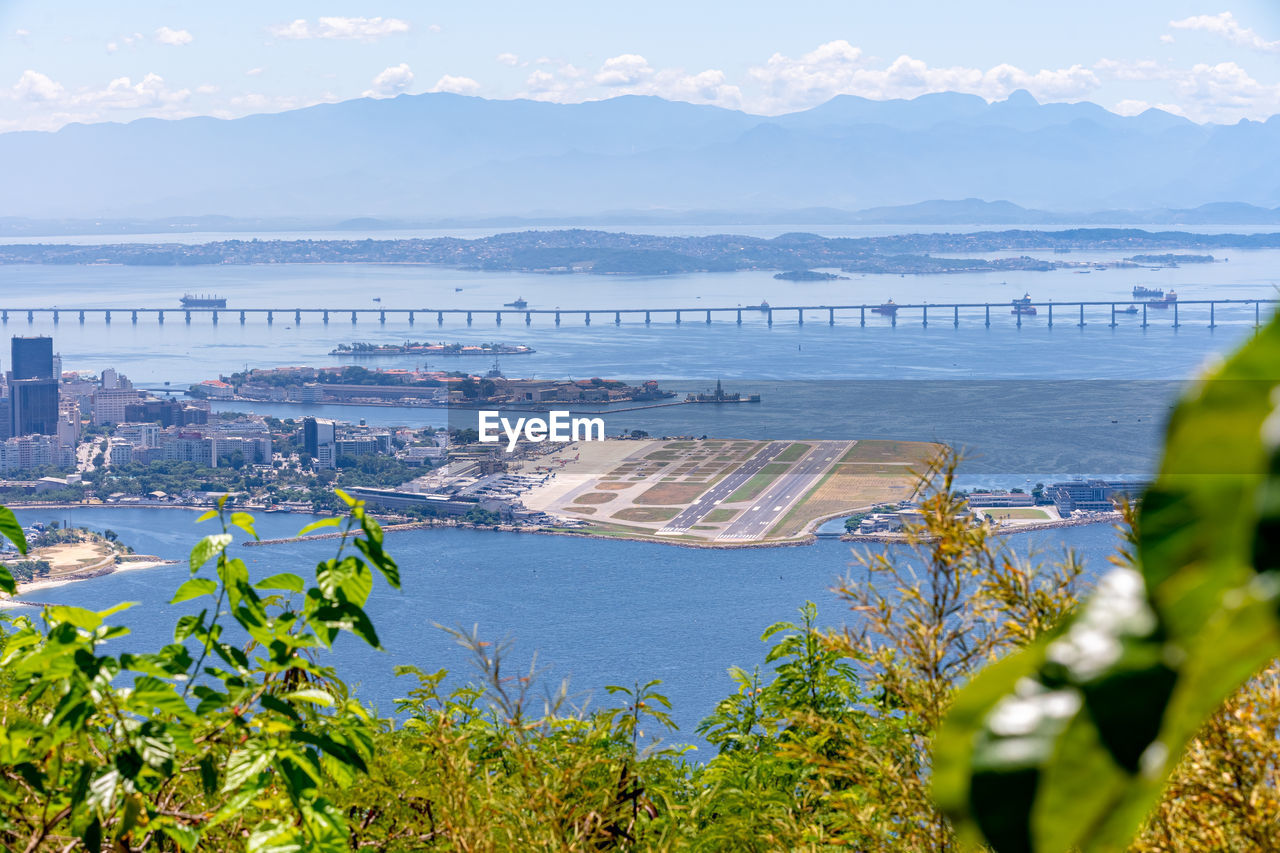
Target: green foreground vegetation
<point>975,700</point>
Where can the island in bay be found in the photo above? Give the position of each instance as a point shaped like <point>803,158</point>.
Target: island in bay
<point>364,349</point>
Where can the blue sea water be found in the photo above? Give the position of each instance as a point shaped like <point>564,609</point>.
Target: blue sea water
<point>596,612</point>
<point>605,612</point>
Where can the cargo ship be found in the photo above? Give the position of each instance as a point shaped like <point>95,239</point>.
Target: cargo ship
<point>1023,306</point>
<point>189,301</point>
<point>361,349</point>
<point>1169,298</point>
<point>888,308</point>
<point>518,303</point>
<point>1140,292</point>
<point>1132,309</point>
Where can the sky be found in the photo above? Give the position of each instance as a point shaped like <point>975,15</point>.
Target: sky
<point>88,61</point>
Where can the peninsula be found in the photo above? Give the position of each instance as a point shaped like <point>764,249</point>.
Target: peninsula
<point>58,555</point>
<point>719,492</point>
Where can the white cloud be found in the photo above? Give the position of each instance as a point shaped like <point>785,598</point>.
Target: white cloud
<point>174,38</point>
<point>839,68</point>
<point>625,70</point>
<point>207,89</point>
<point>122,93</point>
<point>1225,24</point>
<point>435,28</point>
<point>631,74</point>
<point>124,41</point>
<point>508,59</point>
<point>1142,70</point>
<point>36,87</point>
<point>365,29</point>
<point>1130,107</point>
<point>456,85</point>
<point>253,72</point>
<point>1226,85</point>
<point>391,81</point>
<point>1166,39</point>
<point>563,84</point>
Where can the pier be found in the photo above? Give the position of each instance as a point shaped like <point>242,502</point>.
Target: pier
<point>1107,313</point>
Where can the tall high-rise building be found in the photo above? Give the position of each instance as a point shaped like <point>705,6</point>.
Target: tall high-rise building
<point>33,388</point>
<point>318,441</point>
<point>32,358</point>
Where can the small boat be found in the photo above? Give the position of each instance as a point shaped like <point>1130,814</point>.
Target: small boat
<point>889,308</point>
<point>1023,306</point>
<point>519,303</point>
<point>1140,292</point>
<point>1100,268</point>
<point>1132,309</point>
<point>377,299</point>
<point>457,290</point>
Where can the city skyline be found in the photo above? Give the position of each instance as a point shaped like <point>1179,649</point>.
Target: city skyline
<point>1207,63</point>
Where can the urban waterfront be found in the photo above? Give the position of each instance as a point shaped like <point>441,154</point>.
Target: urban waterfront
<point>638,610</point>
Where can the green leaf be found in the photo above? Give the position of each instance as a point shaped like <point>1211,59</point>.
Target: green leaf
<point>317,525</point>
<point>347,579</point>
<point>286,581</point>
<point>244,521</point>
<point>276,837</point>
<point>102,791</point>
<point>185,837</point>
<point>12,530</point>
<point>1066,744</point>
<point>207,548</point>
<point>7,583</point>
<point>327,618</point>
<point>150,693</point>
<point>246,763</point>
<point>194,588</point>
<point>78,616</point>
<point>318,697</point>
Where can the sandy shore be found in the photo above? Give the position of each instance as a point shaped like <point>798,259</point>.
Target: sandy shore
<point>129,563</point>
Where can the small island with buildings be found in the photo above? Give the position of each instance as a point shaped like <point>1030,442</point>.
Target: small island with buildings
<point>399,387</point>
<point>361,349</point>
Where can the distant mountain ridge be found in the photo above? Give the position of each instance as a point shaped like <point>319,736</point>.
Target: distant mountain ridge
<point>443,156</point>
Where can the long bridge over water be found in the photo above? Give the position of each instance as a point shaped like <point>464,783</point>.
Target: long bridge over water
<point>1108,312</point>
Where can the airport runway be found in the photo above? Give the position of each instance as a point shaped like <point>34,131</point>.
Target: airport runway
<point>783,493</point>
<point>709,499</point>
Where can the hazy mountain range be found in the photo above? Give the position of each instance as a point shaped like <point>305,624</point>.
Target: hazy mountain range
<point>441,156</point>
